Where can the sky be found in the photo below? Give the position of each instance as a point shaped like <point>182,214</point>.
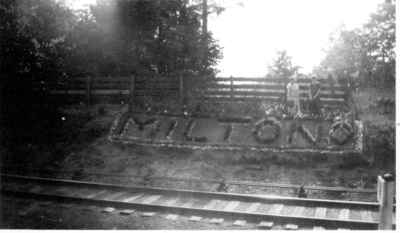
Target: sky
<point>252,32</point>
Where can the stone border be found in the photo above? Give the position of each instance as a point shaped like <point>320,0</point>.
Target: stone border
<point>359,144</point>
<point>121,138</point>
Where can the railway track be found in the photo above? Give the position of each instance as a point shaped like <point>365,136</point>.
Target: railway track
<point>283,210</point>
<point>368,194</point>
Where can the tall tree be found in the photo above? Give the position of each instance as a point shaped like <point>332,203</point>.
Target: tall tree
<point>157,36</point>
<point>365,53</point>
<point>380,39</point>
<point>282,66</point>
<point>33,49</point>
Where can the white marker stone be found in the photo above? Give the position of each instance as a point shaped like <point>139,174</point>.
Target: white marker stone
<point>108,210</point>
<point>239,223</point>
<point>267,225</point>
<point>195,218</point>
<point>172,217</point>
<point>291,227</point>
<point>148,214</point>
<point>217,220</point>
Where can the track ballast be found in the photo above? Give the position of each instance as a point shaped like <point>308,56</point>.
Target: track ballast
<point>328,214</point>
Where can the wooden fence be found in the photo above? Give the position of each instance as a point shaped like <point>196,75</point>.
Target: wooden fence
<point>267,89</point>
<point>219,89</point>
<point>118,89</point>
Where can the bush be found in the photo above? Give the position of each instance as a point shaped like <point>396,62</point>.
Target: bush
<point>380,144</point>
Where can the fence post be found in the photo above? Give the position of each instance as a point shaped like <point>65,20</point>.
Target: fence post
<point>181,90</point>
<point>231,88</point>
<point>131,93</point>
<point>88,90</point>
<point>285,83</point>
<point>385,194</point>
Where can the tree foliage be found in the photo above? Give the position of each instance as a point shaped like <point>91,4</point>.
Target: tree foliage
<point>33,49</point>
<point>282,66</point>
<point>161,37</point>
<point>365,53</point>
<point>113,37</point>
<point>44,42</point>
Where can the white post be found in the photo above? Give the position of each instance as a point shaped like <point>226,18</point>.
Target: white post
<point>385,196</point>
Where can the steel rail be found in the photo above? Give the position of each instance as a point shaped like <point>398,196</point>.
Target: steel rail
<point>227,182</point>
<point>279,217</point>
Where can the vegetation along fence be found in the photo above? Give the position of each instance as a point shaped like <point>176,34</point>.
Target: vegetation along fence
<point>219,89</point>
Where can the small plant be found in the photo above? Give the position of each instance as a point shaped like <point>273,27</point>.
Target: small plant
<point>171,128</point>
<point>228,132</point>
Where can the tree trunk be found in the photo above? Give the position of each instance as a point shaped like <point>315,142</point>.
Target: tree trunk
<point>204,33</point>
<point>205,18</point>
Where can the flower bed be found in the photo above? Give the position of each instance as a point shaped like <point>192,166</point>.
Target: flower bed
<point>267,134</point>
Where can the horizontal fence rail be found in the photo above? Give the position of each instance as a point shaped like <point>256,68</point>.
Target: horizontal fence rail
<point>272,89</point>
<point>217,89</point>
